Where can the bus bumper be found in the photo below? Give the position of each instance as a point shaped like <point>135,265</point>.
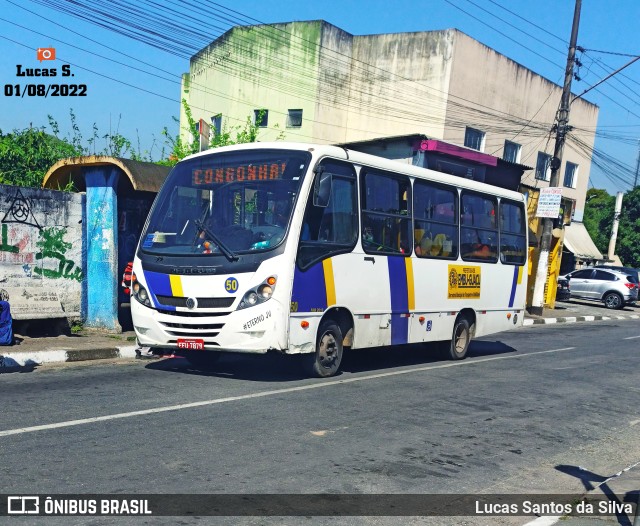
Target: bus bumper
<point>257,329</point>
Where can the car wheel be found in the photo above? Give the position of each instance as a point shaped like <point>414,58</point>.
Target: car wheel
<point>613,300</point>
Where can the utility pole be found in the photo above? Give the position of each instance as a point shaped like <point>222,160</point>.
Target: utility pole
<point>537,306</point>
<point>614,229</point>
<point>635,179</point>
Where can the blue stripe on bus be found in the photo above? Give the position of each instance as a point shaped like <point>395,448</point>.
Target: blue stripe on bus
<point>309,292</point>
<point>399,300</point>
<point>513,286</point>
<point>158,283</point>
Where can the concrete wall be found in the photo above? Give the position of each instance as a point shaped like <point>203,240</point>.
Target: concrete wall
<point>248,68</point>
<point>41,254</point>
<point>399,84</point>
<point>511,95</point>
<point>355,88</point>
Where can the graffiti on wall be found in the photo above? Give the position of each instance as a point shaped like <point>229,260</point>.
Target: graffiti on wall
<point>42,252</point>
<point>53,249</point>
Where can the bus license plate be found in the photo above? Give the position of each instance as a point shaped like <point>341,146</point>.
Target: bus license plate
<point>184,343</point>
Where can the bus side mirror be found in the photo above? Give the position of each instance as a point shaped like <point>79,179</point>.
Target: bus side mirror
<point>322,192</point>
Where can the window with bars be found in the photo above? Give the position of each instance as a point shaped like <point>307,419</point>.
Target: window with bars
<point>570,175</point>
<point>543,166</point>
<point>474,139</point>
<point>261,118</point>
<point>294,118</point>
<point>511,152</point>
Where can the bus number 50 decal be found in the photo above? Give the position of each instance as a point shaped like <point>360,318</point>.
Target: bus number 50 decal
<point>231,285</point>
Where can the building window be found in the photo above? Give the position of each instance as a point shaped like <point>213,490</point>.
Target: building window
<point>543,167</point>
<point>261,118</point>
<point>474,139</point>
<point>570,175</point>
<point>511,152</point>
<point>216,124</point>
<point>294,118</point>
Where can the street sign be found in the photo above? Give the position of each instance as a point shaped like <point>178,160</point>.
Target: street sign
<point>549,202</point>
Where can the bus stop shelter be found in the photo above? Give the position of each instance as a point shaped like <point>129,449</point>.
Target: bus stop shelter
<point>119,194</point>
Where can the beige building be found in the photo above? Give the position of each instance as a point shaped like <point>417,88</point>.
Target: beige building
<point>313,82</point>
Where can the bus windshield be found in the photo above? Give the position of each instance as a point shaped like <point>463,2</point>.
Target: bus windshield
<point>225,204</point>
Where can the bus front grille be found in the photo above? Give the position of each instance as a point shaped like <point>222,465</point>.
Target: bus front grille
<point>203,303</point>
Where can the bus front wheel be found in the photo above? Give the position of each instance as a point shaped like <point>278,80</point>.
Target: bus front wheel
<point>326,359</point>
<point>460,339</point>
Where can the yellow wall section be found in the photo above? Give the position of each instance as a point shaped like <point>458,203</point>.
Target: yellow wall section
<point>329,283</point>
<point>176,286</point>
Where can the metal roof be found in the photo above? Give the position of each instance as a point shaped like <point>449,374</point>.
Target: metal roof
<point>578,241</point>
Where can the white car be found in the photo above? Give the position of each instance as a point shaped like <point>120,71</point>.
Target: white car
<point>612,287</point>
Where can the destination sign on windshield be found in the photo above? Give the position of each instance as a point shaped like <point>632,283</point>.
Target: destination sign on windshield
<point>239,173</point>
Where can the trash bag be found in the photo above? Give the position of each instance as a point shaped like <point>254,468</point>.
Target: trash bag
<point>6,324</point>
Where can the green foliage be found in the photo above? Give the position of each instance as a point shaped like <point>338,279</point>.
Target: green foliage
<point>628,245</point>
<point>229,135</point>
<point>598,217</point>
<point>179,149</point>
<point>598,220</point>
<point>26,155</point>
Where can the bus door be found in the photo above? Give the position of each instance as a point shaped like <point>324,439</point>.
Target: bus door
<point>331,264</point>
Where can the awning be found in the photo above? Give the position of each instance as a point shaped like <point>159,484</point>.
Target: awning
<point>578,241</point>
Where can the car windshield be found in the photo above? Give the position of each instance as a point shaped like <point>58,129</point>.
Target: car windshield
<point>225,204</point>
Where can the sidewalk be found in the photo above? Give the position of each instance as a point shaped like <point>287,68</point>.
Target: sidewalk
<point>87,345</point>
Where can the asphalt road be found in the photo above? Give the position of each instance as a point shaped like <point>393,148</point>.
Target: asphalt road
<point>529,411</point>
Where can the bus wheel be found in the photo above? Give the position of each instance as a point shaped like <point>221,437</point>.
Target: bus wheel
<point>325,361</point>
<point>460,339</point>
<point>204,360</point>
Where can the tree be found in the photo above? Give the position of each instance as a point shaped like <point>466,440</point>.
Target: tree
<point>598,220</point>
<point>26,155</point>
<point>228,136</point>
<point>598,217</point>
<point>628,245</point>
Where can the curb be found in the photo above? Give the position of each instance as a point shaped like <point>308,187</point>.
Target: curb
<point>17,360</point>
<point>574,319</point>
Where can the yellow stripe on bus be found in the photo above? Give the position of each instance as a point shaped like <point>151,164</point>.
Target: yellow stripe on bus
<point>176,286</point>
<point>520,274</point>
<point>329,282</point>
<point>411,293</point>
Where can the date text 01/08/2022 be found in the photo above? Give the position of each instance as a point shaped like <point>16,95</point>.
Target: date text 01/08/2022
<point>45,90</point>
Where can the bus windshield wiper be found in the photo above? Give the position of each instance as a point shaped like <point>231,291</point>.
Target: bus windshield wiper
<point>231,256</point>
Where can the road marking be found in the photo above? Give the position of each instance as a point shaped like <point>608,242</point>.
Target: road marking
<point>631,338</point>
<point>262,394</point>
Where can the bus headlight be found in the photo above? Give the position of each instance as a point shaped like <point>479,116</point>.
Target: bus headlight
<point>259,294</point>
<point>139,292</point>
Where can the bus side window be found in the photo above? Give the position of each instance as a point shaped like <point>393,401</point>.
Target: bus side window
<point>436,220</point>
<point>513,241</point>
<point>332,229</point>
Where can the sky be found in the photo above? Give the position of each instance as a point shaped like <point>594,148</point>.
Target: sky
<point>133,87</point>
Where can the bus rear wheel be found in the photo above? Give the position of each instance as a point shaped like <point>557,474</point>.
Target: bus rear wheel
<point>460,339</point>
<point>326,359</point>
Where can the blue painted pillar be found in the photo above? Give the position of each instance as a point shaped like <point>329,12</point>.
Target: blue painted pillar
<point>102,248</point>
